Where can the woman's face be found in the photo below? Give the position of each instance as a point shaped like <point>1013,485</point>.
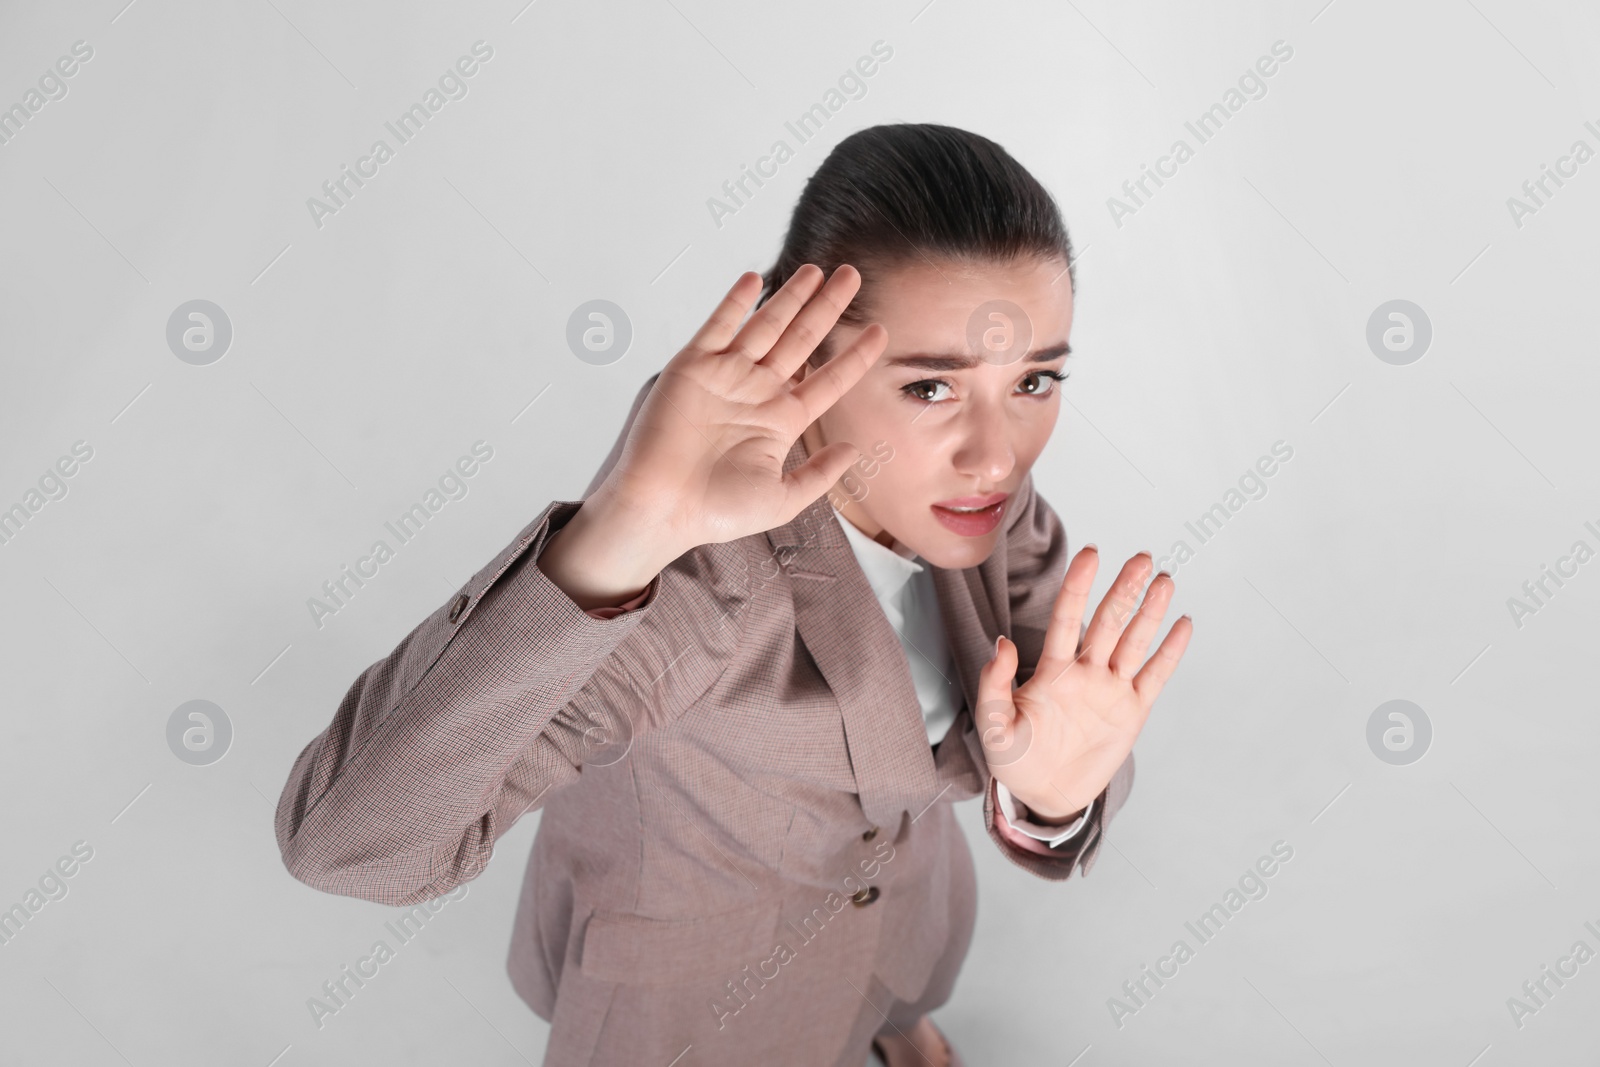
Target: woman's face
<point>961,402</point>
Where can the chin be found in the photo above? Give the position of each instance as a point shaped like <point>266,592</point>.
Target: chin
<point>952,552</point>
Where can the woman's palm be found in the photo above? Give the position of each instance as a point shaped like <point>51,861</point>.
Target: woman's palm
<point>704,460</point>
<point>1058,739</point>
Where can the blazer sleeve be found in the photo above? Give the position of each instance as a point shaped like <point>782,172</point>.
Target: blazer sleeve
<point>396,801</point>
<point>487,706</point>
<point>1036,562</point>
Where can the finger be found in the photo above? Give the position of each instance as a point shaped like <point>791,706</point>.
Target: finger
<point>834,378</point>
<point>1148,682</point>
<point>810,327</point>
<point>1061,636</point>
<point>816,476</point>
<point>719,328</point>
<point>1115,610</point>
<point>996,714</point>
<point>772,318</point>
<point>1142,630</point>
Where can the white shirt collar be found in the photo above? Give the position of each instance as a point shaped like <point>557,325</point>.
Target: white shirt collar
<point>887,569</point>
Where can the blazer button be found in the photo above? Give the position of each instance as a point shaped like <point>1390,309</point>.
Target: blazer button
<point>870,834</point>
<point>457,606</point>
<point>862,897</point>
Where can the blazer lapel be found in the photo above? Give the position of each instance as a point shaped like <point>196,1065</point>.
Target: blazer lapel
<point>853,645</point>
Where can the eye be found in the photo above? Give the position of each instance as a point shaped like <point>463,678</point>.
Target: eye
<point>1053,375</point>
<point>914,390</point>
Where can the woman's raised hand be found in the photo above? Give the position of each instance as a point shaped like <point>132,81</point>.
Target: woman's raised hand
<point>1057,740</point>
<point>703,462</point>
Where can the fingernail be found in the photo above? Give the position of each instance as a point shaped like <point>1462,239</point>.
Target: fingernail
<point>1163,574</point>
<point>1091,547</point>
<point>997,644</point>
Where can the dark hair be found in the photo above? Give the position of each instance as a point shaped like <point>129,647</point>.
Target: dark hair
<point>895,193</point>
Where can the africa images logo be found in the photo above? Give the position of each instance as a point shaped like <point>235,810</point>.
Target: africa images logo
<point>742,989</point>
<point>452,85</point>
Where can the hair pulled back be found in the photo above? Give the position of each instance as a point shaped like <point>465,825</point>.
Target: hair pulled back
<point>891,194</point>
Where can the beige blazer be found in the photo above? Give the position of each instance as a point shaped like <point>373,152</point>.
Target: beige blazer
<point>747,852</point>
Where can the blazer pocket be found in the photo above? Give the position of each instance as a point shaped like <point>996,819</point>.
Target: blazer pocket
<point>626,948</point>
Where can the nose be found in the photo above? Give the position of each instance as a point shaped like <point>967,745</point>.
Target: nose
<point>984,450</point>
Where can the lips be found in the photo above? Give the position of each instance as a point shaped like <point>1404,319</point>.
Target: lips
<point>970,502</point>
<point>971,516</point>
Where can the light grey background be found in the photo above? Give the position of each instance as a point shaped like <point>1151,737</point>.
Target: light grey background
<point>1227,313</point>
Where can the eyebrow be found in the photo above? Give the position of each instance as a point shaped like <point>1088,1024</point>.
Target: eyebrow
<point>922,361</point>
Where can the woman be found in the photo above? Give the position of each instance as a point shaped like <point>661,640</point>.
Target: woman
<point>746,707</point>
